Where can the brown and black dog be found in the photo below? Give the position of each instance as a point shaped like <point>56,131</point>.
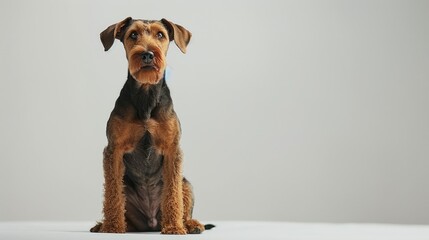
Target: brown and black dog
<point>144,189</point>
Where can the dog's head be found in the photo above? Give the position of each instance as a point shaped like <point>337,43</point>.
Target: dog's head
<point>146,43</point>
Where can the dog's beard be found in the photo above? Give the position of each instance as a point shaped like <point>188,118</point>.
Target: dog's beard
<point>146,73</point>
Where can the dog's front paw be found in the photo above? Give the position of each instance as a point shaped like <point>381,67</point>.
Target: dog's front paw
<point>109,228</point>
<point>173,230</point>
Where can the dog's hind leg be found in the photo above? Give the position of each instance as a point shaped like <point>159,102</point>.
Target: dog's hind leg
<point>192,226</point>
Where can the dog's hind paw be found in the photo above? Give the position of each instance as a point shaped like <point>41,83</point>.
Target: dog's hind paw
<point>194,227</point>
<point>173,230</point>
<point>96,228</point>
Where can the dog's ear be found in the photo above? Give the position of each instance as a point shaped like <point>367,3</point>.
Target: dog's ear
<point>179,34</point>
<point>114,31</point>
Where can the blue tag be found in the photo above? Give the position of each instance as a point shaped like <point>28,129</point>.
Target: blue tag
<point>167,74</point>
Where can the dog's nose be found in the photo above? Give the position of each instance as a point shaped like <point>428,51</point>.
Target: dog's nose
<point>148,57</point>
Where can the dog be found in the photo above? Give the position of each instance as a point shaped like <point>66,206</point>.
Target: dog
<point>144,189</point>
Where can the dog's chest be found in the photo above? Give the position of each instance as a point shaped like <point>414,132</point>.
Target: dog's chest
<point>143,166</point>
<point>145,101</point>
<point>143,178</point>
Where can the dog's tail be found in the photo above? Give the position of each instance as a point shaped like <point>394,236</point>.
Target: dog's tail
<point>209,226</point>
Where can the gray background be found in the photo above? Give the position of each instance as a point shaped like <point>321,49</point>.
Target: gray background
<point>291,110</point>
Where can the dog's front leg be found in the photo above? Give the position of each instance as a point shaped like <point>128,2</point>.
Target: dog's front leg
<point>114,200</point>
<point>172,196</point>
<point>122,135</point>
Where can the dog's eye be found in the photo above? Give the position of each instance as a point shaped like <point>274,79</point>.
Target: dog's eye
<point>160,35</point>
<point>133,35</point>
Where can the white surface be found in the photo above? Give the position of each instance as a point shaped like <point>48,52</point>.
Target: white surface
<point>223,231</point>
